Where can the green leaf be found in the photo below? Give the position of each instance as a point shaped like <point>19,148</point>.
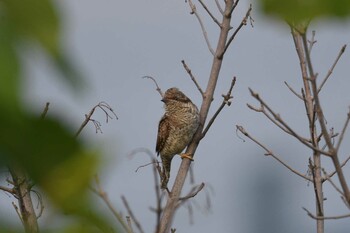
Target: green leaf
<point>9,70</point>
<point>36,20</point>
<point>300,10</point>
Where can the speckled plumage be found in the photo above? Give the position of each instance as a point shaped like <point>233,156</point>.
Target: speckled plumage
<point>176,128</point>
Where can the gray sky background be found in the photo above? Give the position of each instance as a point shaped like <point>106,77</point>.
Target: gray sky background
<point>115,43</point>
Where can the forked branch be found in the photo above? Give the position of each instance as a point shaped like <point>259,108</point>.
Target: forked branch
<point>271,153</point>
<point>109,113</point>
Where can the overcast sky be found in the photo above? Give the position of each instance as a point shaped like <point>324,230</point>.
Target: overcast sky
<point>115,43</point>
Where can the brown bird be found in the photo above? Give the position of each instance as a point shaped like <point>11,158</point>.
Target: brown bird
<point>176,129</point>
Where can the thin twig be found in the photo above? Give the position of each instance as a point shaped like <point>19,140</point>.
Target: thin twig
<point>234,6</point>
<point>193,192</point>
<point>226,101</point>
<point>278,118</point>
<point>137,224</point>
<point>274,120</point>
<point>158,210</point>
<point>40,203</point>
<point>205,34</point>
<point>8,190</point>
<point>46,109</point>
<point>312,41</point>
<point>18,212</point>
<point>330,71</point>
<point>103,195</point>
<point>270,153</point>
<point>155,82</point>
<point>188,70</point>
<point>104,107</point>
<point>341,137</point>
<point>342,165</point>
<point>219,7</point>
<point>209,13</point>
<point>325,218</point>
<point>243,23</point>
<point>328,178</point>
<point>293,91</point>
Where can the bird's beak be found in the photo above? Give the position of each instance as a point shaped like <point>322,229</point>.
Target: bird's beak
<point>164,100</point>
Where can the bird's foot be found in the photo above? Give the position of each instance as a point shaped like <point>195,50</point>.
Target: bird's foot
<point>187,156</point>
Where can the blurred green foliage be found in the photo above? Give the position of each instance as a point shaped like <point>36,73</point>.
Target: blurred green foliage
<point>300,10</point>
<point>54,159</point>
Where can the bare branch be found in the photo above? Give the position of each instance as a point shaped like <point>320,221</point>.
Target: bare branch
<point>342,165</point>
<point>18,213</point>
<point>328,178</point>
<point>8,190</point>
<point>312,41</point>
<point>138,225</point>
<point>293,91</point>
<point>325,218</point>
<point>270,153</point>
<point>288,129</point>
<point>103,195</point>
<point>155,82</point>
<point>234,6</point>
<point>188,70</point>
<point>322,123</point>
<point>193,192</point>
<point>226,101</point>
<point>341,137</point>
<point>219,6</point>
<point>330,71</point>
<point>40,204</point>
<point>158,209</point>
<point>209,13</point>
<point>205,34</point>
<point>104,107</point>
<point>243,23</point>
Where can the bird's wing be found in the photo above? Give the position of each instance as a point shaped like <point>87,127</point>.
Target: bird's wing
<point>163,133</point>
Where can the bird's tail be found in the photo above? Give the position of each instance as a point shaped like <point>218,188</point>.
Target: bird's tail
<point>165,172</point>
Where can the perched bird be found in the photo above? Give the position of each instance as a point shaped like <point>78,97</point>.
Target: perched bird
<point>176,129</point>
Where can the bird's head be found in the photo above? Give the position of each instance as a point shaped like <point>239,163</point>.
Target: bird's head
<point>174,95</point>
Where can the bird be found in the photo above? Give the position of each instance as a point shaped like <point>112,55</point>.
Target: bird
<point>176,129</point>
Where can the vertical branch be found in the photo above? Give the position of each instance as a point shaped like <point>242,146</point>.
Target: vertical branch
<point>170,207</point>
<point>22,188</point>
<point>306,70</point>
<point>322,123</point>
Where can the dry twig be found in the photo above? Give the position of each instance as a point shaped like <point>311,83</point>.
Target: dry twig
<point>270,153</point>
<point>155,82</point>
<point>243,23</point>
<point>330,71</point>
<point>226,101</point>
<point>131,214</point>
<point>205,34</point>
<point>105,108</point>
<point>103,195</point>
<point>209,13</point>
<point>188,70</point>
<point>325,218</point>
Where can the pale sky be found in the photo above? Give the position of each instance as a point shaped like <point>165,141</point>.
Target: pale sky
<point>115,43</point>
